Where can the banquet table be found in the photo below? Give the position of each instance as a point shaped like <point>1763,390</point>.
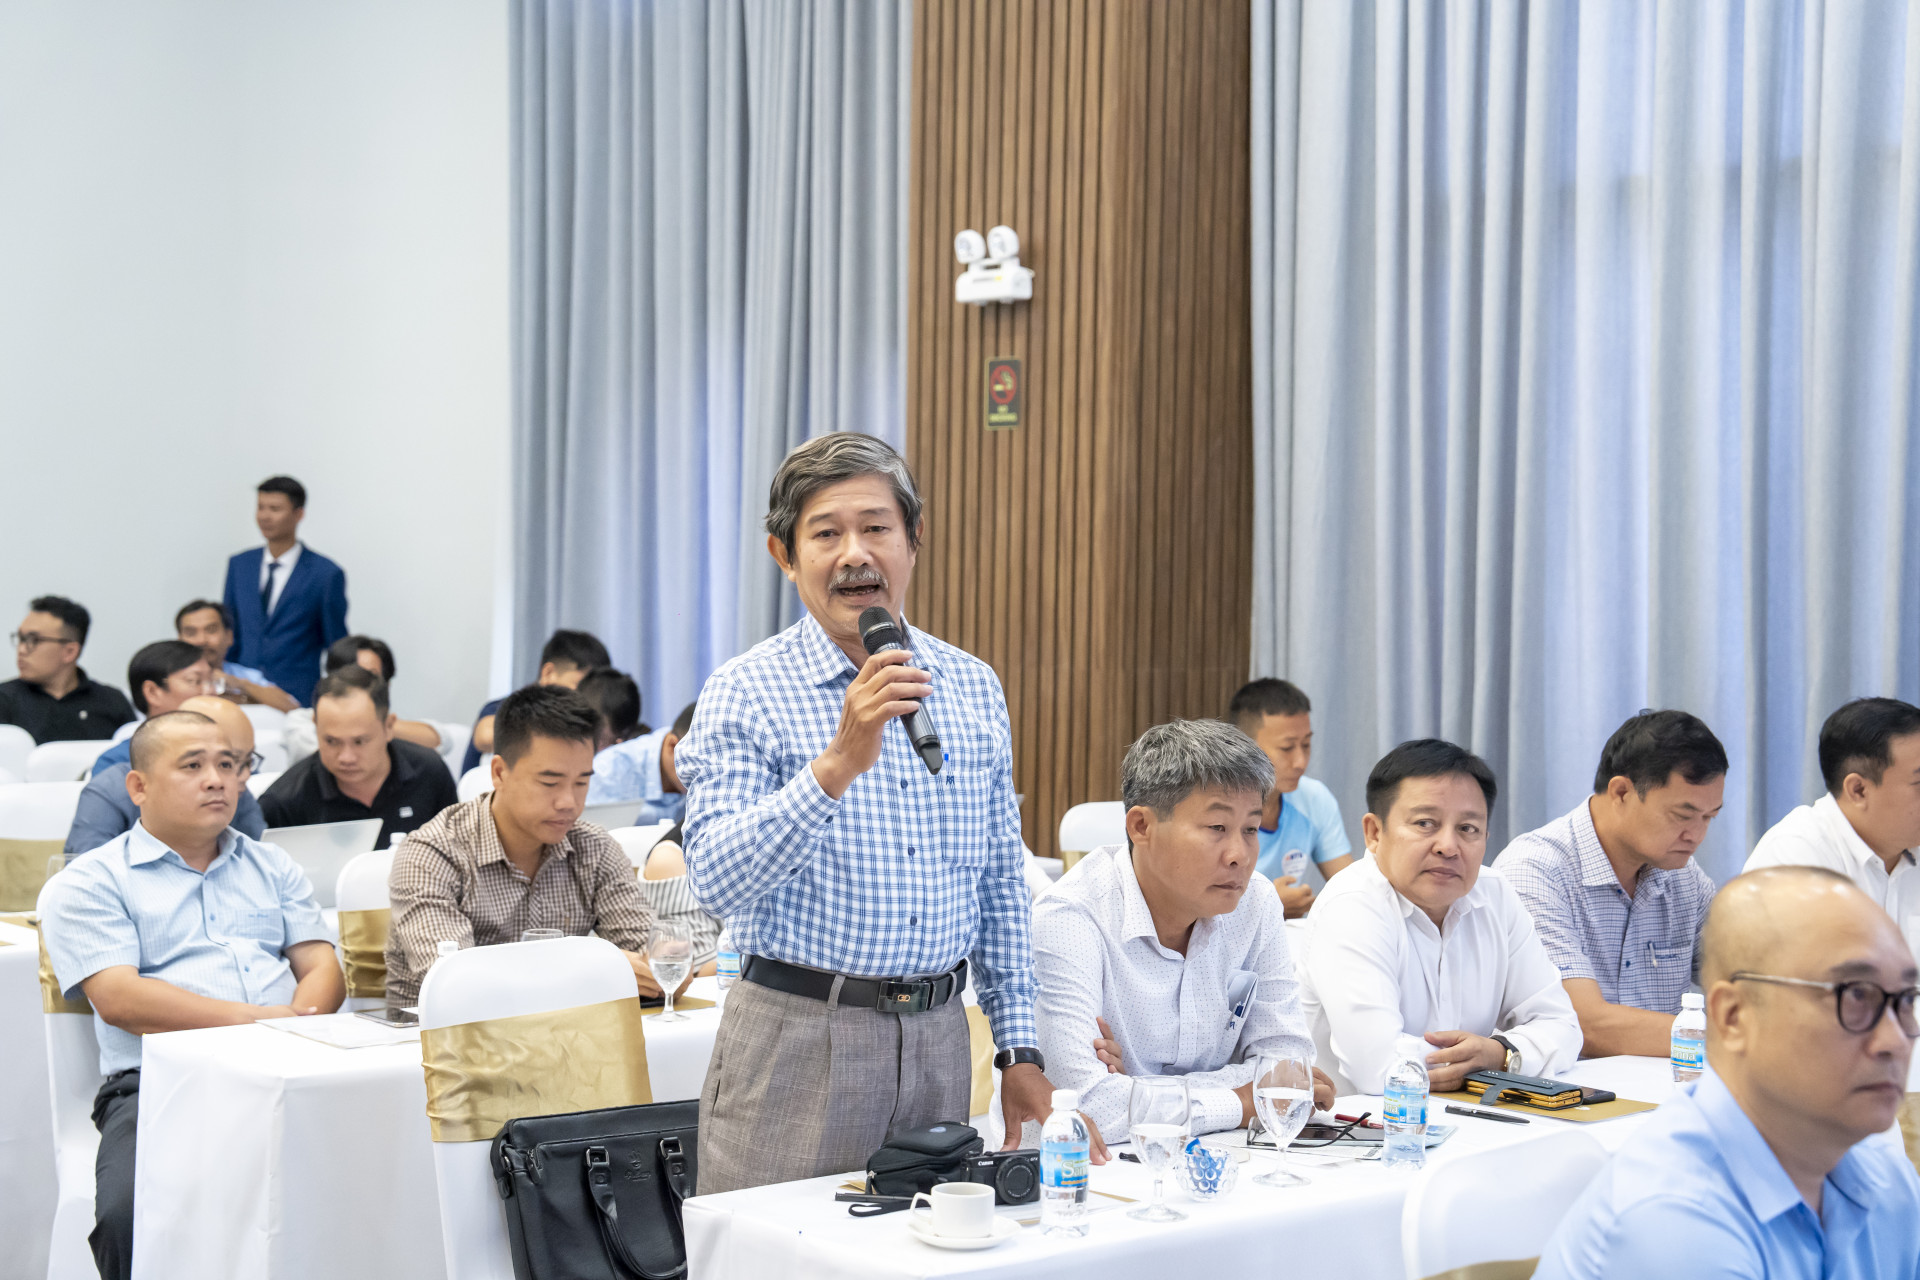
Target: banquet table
<point>267,1156</point>
<point>1345,1223</point>
<point>27,1186</point>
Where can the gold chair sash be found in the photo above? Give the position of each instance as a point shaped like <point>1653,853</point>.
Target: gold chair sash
<point>363,951</point>
<point>482,1074</point>
<point>1910,1127</point>
<point>980,1042</point>
<point>1503,1269</point>
<point>23,871</point>
<point>1069,858</point>
<point>52,999</point>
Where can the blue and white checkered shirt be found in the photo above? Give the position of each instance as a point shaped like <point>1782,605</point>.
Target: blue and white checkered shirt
<point>220,934</point>
<point>908,872</point>
<point>1639,949</point>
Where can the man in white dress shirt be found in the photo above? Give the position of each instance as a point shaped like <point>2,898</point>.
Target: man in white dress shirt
<point>1153,958</point>
<point>1415,940</point>
<point>1867,826</point>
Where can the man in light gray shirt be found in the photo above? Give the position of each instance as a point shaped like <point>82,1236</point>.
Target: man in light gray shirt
<point>1153,958</point>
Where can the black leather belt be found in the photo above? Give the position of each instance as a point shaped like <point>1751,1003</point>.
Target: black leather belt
<point>888,995</point>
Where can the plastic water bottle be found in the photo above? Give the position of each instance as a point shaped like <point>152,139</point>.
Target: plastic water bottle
<point>1689,1049</point>
<point>1406,1111</point>
<point>446,947</point>
<point>726,962</point>
<point>1063,1167</point>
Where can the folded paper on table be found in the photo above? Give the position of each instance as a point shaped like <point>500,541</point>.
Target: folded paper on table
<point>482,1074</point>
<point>343,1030</point>
<point>363,951</point>
<point>1586,1113</point>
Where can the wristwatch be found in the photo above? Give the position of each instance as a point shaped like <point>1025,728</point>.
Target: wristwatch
<point>1513,1054</point>
<point>1007,1057</point>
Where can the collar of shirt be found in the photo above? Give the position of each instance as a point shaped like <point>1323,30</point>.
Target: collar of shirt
<point>488,847</point>
<point>1136,917</point>
<point>144,847</point>
<point>1416,916</point>
<point>1757,1171</point>
<point>286,560</point>
<point>1596,872</point>
<point>82,684</point>
<point>400,771</point>
<point>822,661</point>
<point>1829,812</point>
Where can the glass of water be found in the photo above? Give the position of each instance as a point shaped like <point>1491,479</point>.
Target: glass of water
<point>1159,1121</point>
<point>670,956</point>
<point>1283,1100</point>
<point>540,935</point>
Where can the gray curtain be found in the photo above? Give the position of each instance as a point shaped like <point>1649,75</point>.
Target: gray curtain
<point>709,267</point>
<point>1586,380</point>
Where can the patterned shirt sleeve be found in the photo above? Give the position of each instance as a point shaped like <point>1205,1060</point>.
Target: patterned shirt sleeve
<point>746,833</point>
<point>1543,890</point>
<point>424,890</point>
<point>620,911</point>
<point>1003,950</point>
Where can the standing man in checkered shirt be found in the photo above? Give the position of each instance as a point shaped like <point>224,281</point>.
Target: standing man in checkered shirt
<point>1612,886</point>
<point>859,887</point>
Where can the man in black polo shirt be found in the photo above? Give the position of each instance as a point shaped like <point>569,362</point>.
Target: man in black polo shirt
<point>360,770</point>
<point>53,699</point>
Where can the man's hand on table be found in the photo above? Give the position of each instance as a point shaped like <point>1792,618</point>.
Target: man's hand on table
<point>1026,1094</point>
<point>1459,1054</point>
<point>643,974</point>
<point>262,1012</point>
<point>1323,1096</point>
<point>886,689</point>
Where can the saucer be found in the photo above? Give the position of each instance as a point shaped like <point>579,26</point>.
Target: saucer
<point>1003,1229</point>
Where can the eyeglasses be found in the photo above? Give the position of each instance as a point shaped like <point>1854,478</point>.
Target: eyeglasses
<point>27,641</point>
<point>253,762</point>
<point>1858,1005</point>
<point>1344,1131</point>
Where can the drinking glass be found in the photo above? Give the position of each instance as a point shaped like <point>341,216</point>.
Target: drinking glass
<point>540,935</point>
<point>1283,1099</point>
<point>1159,1120</point>
<point>670,956</point>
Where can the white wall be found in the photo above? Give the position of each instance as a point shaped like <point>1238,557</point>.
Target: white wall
<point>240,237</point>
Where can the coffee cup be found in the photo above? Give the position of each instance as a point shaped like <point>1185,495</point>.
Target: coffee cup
<point>960,1210</point>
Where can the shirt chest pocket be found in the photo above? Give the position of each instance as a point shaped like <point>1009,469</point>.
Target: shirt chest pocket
<point>966,815</point>
<point>249,924</point>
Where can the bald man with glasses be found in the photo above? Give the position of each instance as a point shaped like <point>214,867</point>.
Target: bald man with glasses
<point>1763,1166</point>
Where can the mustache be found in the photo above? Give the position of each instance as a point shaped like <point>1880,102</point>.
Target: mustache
<point>858,575</point>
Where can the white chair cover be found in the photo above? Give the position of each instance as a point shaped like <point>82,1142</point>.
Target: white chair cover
<point>16,744</point>
<point>362,886</point>
<point>38,810</point>
<point>639,841</point>
<point>453,744</point>
<point>505,981</point>
<point>475,781</point>
<point>73,1073</point>
<point>265,719</point>
<point>63,761</point>
<point>259,782</point>
<point>1494,1205</point>
<point>1088,826</point>
<point>273,753</point>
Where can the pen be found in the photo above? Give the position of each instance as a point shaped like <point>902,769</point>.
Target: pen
<point>1455,1109</point>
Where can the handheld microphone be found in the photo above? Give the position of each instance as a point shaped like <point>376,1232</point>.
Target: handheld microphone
<point>879,633</point>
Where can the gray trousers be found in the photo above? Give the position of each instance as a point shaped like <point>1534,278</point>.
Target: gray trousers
<point>796,1090</point>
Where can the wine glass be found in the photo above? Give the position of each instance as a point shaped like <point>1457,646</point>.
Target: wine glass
<point>1283,1099</point>
<point>670,956</point>
<point>540,935</point>
<point>1159,1118</point>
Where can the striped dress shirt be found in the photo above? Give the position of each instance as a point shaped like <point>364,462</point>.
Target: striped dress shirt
<point>908,872</point>
<point>222,933</point>
<point>1639,949</point>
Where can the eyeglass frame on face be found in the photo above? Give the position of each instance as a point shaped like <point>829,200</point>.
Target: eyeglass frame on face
<point>1838,990</point>
<point>28,641</point>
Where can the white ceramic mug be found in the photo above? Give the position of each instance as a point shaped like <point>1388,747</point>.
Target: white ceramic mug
<point>961,1210</point>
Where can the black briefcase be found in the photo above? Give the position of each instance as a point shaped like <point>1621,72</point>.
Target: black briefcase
<point>595,1195</point>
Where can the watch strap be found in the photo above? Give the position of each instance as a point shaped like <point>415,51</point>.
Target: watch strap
<point>1513,1052</point>
<point>1009,1057</point>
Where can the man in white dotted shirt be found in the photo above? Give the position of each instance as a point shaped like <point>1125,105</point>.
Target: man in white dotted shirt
<point>1153,958</point>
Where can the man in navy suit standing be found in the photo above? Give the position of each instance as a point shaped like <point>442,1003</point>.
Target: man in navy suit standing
<point>288,602</point>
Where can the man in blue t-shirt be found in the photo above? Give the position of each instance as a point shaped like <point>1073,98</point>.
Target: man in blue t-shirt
<point>1301,823</point>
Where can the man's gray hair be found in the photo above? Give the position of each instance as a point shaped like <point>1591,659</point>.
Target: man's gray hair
<point>827,460</point>
<point>1171,761</point>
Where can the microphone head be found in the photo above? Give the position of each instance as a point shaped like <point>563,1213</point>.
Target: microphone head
<point>878,631</point>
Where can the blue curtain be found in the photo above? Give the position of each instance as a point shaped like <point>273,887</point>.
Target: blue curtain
<point>709,267</point>
<point>1586,351</point>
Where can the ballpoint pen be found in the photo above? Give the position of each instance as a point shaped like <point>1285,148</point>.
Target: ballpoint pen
<point>1455,1109</point>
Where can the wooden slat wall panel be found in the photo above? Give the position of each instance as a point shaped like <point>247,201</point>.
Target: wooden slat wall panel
<point>1100,556</point>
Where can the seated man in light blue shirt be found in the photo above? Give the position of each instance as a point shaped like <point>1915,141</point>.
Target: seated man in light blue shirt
<point>1769,1164</point>
<point>162,675</point>
<point>106,809</point>
<point>180,923</point>
<point>1301,821</point>
<point>642,768</point>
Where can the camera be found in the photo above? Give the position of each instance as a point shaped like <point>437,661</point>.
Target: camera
<point>1013,1175</point>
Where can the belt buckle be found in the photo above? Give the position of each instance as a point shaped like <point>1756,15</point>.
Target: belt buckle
<point>914,996</point>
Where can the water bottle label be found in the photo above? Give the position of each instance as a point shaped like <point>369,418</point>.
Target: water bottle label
<point>1064,1165</point>
<point>727,964</point>
<point>1405,1106</point>
<point>1689,1054</point>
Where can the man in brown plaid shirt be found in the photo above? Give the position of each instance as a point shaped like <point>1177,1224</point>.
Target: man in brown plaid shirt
<point>518,857</point>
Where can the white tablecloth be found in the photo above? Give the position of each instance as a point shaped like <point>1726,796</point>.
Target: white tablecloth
<point>28,1190</point>
<point>267,1156</point>
<point>1345,1224</point>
